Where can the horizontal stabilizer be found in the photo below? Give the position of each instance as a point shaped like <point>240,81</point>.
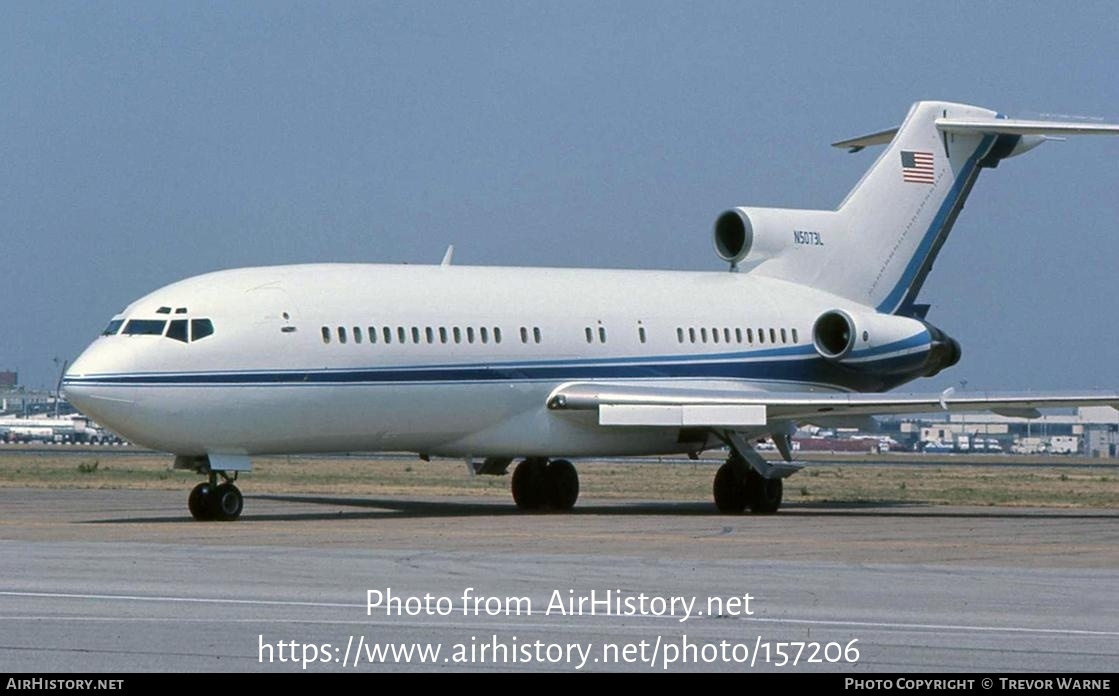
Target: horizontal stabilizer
<point>1007,126</point>
<point>879,138</point>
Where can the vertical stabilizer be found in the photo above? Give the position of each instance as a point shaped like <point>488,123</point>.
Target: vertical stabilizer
<point>879,245</point>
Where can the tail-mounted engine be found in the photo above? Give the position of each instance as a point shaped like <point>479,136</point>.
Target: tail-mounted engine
<point>752,234</point>
<point>883,343</point>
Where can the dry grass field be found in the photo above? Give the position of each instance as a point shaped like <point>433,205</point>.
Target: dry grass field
<point>979,480</point>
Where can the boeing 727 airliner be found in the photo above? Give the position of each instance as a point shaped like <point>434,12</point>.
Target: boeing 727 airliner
<point>542,365</point>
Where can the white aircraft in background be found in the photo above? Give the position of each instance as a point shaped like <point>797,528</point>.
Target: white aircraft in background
<point>542,364</point>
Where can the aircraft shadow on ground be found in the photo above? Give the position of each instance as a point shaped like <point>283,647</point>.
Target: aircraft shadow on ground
<point>381,508</point>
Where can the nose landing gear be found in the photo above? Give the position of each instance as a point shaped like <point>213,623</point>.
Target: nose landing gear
<point>210,500</point>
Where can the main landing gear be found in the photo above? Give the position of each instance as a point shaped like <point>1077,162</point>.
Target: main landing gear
<point>748,480</point>
<point>737,487</point>
<point>211,500</point>
<point>539,483</point>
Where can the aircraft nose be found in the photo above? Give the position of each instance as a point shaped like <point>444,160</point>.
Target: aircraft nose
<point>96,359</point>
<point>84,384</point>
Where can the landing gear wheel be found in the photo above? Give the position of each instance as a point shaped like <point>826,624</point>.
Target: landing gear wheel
<point>226,503</point>
<point>764,494</point>
<point>729,489</point>
<point>530,485</point>
<point>562,484</point>
<point>200,501</point>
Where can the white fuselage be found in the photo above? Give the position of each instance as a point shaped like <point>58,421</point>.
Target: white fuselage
<point>461,361</point>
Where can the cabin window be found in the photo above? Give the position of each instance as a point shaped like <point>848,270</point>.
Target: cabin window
<point>372,334</point>
<point>641,333</point>
<point>113,327</point>
<point>145,327</point>
<point>387,333</point>
<point>772,336</point>
<point>357,334</point>
<point>458,334</point>
<point>524,335</point>
<point>795,340</point>
<point>442,334</point>
<point>178,330</point>
<point>326,334</point>
<point>679,334</point>
<point>590,335</point>
<point>703,335</point>
<point>726,335</point>
<point>200,328</point>
<point>602,334</point>
<point>401,334</point>
<point>691,334</point>
<point>738,335</point>
<point>783,337</point>
<point>496,334</point>
<point>429,334</point>
<point>470,334</point>
<point>484,334</point>
<point>761,335</point>
<point>341,334</point>
<point>715,335</point>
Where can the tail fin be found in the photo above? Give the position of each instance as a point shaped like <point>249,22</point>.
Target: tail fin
<point>879,245</point>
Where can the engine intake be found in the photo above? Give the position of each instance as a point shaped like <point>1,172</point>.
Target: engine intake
<point>734,236</point>
<point>834,335</point>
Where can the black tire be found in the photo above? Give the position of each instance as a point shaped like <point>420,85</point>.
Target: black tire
<point>530,484</point>
<point>729,489</point>
<point>764,494</point>
<point>226,503</point>
<point>563,485</point>
<point>200,502</point>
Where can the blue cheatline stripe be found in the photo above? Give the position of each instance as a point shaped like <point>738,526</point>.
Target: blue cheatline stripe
<point>894,299</point>
<point>804,351</point>
<point>916,340</point>
<point>796,365</point>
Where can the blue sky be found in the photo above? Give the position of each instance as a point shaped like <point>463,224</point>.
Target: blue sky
<point>145,142</point>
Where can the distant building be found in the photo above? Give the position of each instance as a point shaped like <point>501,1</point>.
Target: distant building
<point>8,378</point>
<point>1092,431</point>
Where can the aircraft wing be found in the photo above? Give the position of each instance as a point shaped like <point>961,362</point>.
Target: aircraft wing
<point>647,405</point>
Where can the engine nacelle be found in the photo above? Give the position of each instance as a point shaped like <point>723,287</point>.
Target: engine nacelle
<point>883,343</point>
<point>752,234</point>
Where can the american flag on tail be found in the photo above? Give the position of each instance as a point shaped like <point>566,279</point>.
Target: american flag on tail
<point>917,166</point>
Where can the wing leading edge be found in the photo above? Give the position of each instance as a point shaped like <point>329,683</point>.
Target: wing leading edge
<point>648,405</point>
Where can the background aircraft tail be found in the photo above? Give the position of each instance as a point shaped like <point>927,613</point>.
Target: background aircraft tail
<point>879,245</point>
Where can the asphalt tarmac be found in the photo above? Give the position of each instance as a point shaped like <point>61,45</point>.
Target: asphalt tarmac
<point>123,580</point>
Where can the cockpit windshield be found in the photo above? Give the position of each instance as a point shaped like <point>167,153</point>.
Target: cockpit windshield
<point>145,327</point>
<point>182,330</point>
<point>200,328</point>
<point>113,327</point>
<point>178,330</point>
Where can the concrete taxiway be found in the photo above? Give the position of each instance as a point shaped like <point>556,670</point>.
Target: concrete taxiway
<point>120,580</point>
